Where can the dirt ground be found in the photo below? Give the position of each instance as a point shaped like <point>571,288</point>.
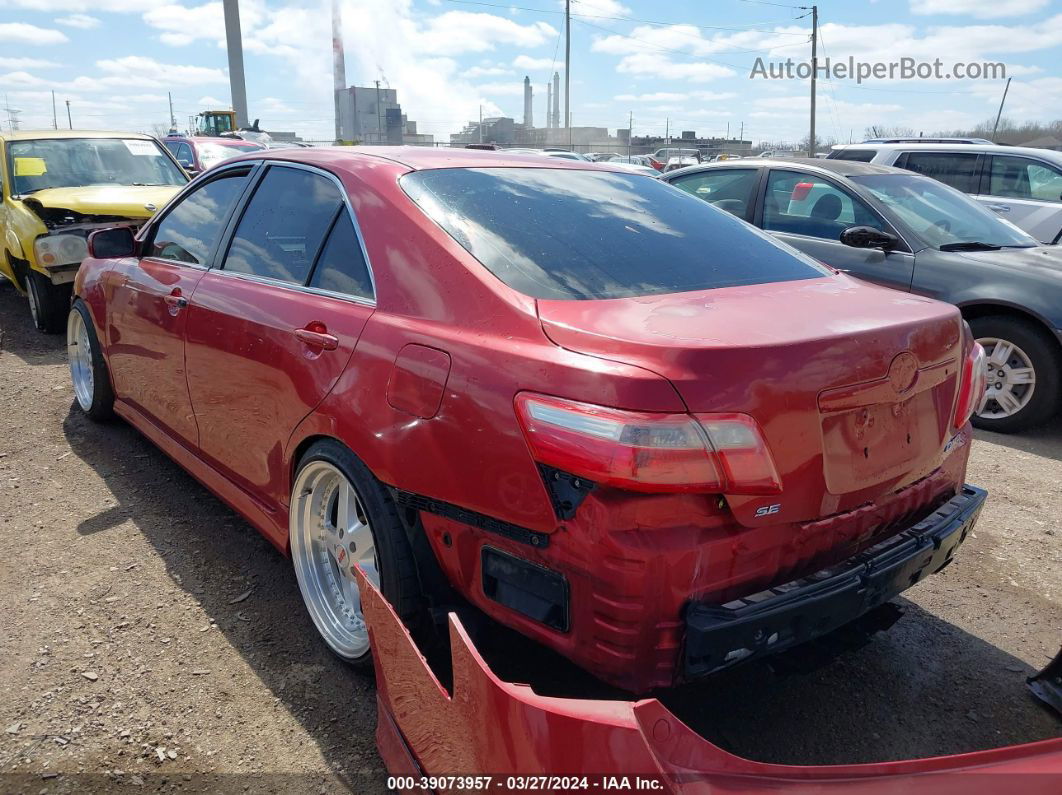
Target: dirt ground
<point>152,640</point>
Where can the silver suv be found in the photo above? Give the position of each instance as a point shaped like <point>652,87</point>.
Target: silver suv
<point>1020,184</point>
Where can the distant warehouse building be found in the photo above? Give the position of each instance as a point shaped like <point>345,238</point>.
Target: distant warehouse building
<point>372,115</point>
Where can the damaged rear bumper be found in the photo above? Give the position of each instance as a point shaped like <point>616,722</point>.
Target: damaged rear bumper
<point>718,636</point>
<point>489,727</point>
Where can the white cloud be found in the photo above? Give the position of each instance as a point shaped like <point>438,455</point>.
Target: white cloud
<point>658,65</point>
<point>26,63</point>
<point>148,71</point>
<point>982,9</point>
<point>487,71</point>
<point>514,88</point>
<point>605,8</point>
<point>82,21</point>
<point>209,101</point>
<point>22,33</point>
<point>455,32</point>
<point>672,96</point>
<point>117,6</point>
<point>527,62</point>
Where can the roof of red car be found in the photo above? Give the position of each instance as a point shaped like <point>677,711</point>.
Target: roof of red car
<point>424,157</point>
<point>212,139</point>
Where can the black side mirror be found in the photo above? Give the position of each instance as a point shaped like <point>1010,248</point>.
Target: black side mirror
<point>869,237</point>
<point>117,241</point>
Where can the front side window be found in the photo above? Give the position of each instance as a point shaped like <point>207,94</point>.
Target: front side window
<point>284,225</point>
<point>81,162</point>
<point>803,204</point>
<point>1022,178</point>
<point>961,170</point>
<point>582,234</point>
<point>727,188</point>
<point>191,230</point>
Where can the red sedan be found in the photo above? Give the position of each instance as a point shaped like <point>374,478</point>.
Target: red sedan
<point>609,415</point>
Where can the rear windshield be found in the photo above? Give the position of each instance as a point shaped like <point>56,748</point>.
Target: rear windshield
<point>575,234</point>
<point>861,155</point>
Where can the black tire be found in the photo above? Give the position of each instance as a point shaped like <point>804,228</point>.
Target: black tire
<point>399,581</point>
<point>49,303</point>
<point>1046,359</point>
<point>101,409</point>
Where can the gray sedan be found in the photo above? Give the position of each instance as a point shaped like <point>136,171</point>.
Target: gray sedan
<point>910,232</point>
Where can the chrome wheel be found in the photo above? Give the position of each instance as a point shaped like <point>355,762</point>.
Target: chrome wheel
<point>79,356</point>
<point>330,535</point>
<point>1011,379</point>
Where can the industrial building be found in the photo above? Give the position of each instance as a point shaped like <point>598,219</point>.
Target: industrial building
<point>373,115</point>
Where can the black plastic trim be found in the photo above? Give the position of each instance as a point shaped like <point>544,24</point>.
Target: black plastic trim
<point>513,532</point>
<point>721,635</point>
<point>527,588</point>
<point>566,491</point>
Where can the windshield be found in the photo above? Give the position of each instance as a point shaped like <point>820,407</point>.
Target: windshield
<point>574,234</point>
<point>941,215</point>
<point>81,162</point>
<point>210,154</point>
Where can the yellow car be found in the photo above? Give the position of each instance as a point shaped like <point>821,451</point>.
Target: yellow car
<point>58,186</point>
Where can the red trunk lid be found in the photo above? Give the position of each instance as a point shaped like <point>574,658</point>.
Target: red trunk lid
<point>852,384</point>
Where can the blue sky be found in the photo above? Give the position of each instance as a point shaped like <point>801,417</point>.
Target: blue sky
<point>684,63</point>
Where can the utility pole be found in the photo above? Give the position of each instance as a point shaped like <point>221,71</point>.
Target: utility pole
<point>173,119</point>
<point>995,126</point>
<point>481,124</point>
<point>814,73</point>
<point>630,133</point>
<point>69,120</point>
<point>741,135</point>
<point>568,68</point>
<point>55,120</point>
<point>234,46</point>
<point>667,130</point>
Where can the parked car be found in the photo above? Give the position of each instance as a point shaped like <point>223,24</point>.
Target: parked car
<point>634,168</point>
<point>55,188</point>
<point>598,157</point>
<point>1021,184</point>
<point>675,163</point>
<point>565,155</point>
<point>410,360</point>
<point>912,233</point>
<point>199,153</point>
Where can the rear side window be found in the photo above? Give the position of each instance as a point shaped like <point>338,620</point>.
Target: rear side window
<point>581,234</point>
<point>284,225</point>
<point>341,267</point>
<point>190,231</point>
<point>961,170</point>
<point>726,188</point>
<point>859,155</point>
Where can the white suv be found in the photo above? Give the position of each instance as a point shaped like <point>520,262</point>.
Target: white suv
<point>1021,184</point>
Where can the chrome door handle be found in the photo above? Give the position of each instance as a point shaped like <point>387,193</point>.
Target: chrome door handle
<point>1000,208</point>
<point>176,300</point>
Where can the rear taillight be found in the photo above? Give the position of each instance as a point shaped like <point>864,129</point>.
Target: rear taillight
<point>972,383</point>
<point>642,451</point>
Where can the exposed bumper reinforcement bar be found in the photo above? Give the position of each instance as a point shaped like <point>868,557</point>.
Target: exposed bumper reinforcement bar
<point>718,636</point>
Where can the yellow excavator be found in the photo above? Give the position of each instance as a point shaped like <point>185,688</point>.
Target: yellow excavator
<point>216,122</point>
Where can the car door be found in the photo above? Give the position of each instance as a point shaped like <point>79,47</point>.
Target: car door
<point>271,329</point>
<point>730,189</point>
<point>147,304</point>
<point>1025,191</point>
<point>809,212</point>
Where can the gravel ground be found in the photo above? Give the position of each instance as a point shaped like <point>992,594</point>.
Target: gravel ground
<point>152,639</point>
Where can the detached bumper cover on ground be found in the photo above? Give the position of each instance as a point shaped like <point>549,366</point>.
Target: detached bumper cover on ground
<point>718,636</point>
<point>491,727</point>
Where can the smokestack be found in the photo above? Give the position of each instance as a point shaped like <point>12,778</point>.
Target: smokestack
<point>234,45</point>
<point>527,102</point>
<point>339,67</point>
<point>549,105</point>
<point>556,99</point>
